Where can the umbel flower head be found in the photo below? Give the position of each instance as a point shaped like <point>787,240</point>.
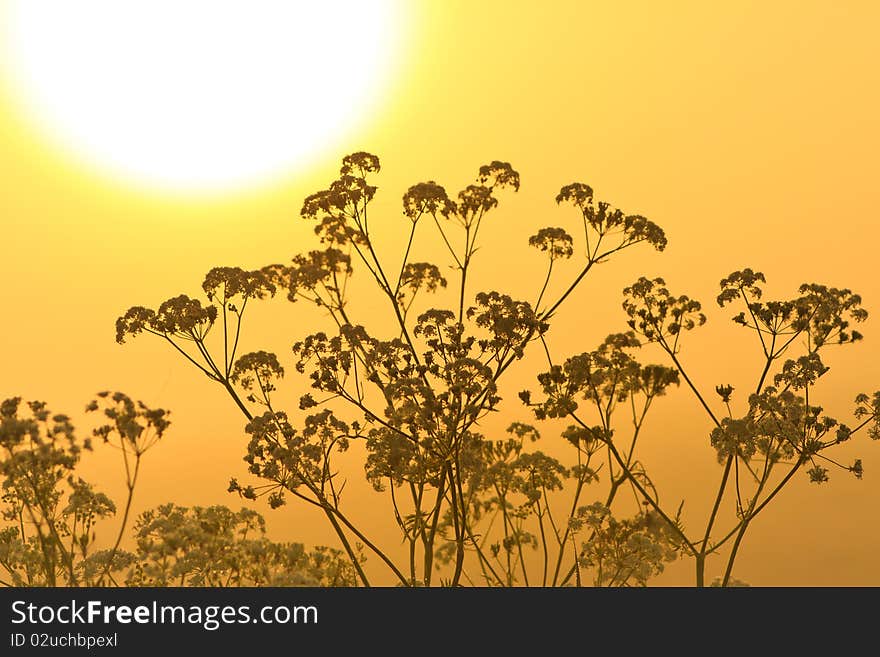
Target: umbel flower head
<point>179,316</point>
<point>605,220</point>
<point>555,242</point>
<point>656,314</point>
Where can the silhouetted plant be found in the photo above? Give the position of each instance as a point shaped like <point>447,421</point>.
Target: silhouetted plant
<point>215,546</point>
<point>51,512</point>
<point>782,429</point>
<point>52,515</point>
<point>417,396</point>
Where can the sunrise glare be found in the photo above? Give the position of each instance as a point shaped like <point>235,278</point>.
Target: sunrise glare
<point>199,96</point>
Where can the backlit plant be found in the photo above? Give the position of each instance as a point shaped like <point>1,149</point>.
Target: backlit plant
<point>472,507</point>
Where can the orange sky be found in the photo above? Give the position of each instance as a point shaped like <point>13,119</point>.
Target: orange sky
<point>748,131</point>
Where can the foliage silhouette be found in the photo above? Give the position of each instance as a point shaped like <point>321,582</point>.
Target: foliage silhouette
<point>52,515</point>
<point>470,507</point>
<point>214,546</point>
<point>52,512</point>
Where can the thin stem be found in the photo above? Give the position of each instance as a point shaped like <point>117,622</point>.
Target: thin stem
<point>409,244</point>
<point>751,516</point>
<point>648,498</point>
<point>544,286</point>
<point>464,270</point>
<point>446,241</point>
<point>131,483</point>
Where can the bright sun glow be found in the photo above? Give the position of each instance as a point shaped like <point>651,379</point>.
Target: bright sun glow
<point>199,95</point>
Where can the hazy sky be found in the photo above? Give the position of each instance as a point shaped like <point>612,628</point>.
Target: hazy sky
<point>748,130</point>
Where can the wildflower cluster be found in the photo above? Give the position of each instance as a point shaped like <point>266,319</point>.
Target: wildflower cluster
<point>603,377</point>
<point>658,315</point>
<point>415,386</point>
<point>51,511</point>
<point>623,552</point>
<point>216,546</point>
<point>825,314</point>
<point>607,221</point>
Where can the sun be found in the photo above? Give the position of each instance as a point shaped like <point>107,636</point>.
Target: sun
<point>199,95</point>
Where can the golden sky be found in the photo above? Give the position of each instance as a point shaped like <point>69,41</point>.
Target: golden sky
<point>747,130</point>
